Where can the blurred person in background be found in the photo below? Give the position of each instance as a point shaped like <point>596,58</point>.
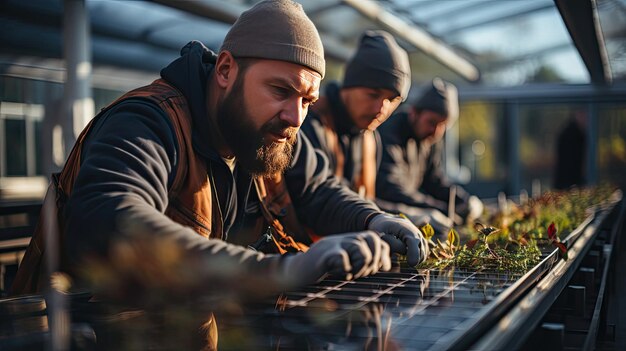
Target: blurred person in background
<point>411,174</point>
<point>571,145</point>
<point>165,177</point>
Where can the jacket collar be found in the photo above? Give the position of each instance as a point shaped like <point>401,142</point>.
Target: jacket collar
<point>403,127</point>
<point>343,122</point>
<point>189,74</point>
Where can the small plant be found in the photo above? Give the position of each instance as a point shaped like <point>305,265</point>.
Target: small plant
<point>483,234</point>
<point>479,254</point>
<point>556,241</point>
<point>441,250</point>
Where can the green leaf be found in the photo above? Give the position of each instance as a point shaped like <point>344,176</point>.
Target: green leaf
<point>428,231</point>
<point>453,238</point>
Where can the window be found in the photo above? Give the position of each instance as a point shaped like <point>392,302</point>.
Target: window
<point>15,146</point>
<point>18,127</point>
<point>540,126</point>
<point>481,141</point>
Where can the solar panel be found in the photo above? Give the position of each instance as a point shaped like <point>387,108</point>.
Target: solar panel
<point>409,308</point>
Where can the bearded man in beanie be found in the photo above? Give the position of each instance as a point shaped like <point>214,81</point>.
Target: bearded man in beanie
<point>187,162</point>
<point>411,175</point>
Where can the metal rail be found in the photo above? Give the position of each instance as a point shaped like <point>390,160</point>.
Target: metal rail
<point>607,250</point>
<point>516,326</point>
<point>464,338</point>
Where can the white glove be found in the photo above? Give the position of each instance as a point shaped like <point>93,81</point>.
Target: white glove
<point>350,256</point>
<point>440,222</point>
<point>402,236</point>
<point>475,207</point>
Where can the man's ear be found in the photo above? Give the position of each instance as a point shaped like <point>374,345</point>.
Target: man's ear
<point>225,69</point>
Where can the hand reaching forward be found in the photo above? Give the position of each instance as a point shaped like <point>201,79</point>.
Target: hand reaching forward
<point>350,256</point>
<point>402,236</point>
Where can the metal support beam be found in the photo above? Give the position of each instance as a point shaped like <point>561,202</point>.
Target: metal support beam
<point>514,166</point>
<point>78,103</point>
<point>462,10</point>
<point>222,11</point>
<point>582,22</point>
<point>497,19</point>
<point>416,37</point>
<point>592,144</point>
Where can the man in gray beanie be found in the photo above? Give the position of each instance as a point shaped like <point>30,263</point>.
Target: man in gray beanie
<point>411,177</point>
<point>187,162</point>
<point>343,123</point>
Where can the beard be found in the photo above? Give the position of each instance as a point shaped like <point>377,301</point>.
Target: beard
<point>253,149</point>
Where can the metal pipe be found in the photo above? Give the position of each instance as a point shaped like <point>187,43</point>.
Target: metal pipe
<point>416,37</point>
<point>78,102</point>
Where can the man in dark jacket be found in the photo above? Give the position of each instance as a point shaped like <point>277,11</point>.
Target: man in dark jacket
<point>343,123</point>
<point>175,163</point>
<point>411,173</point>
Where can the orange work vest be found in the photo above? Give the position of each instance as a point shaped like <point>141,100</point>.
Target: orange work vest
<point>363,183</point>
<point>190,195</point>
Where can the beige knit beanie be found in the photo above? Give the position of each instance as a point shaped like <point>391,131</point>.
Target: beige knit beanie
<point>277,30</point>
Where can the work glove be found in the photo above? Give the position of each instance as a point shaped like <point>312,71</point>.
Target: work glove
<point>440,222</point>
<point>349,256</point>
<point>475,209</point>
<point>402,236</point>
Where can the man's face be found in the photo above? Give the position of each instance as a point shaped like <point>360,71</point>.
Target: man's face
<point>429,125</point>
<point>261,114</point>
<point>368,108</point>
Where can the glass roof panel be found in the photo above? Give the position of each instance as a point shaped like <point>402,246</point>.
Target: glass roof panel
<point>612,15</point>
<point>510,42</point>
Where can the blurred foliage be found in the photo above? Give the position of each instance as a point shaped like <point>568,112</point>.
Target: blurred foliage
<point>477,122</point>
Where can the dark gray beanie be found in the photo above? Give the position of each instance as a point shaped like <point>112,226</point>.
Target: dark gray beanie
<point>277,30</point>
<point>379,63</point>
<point>440,97</point>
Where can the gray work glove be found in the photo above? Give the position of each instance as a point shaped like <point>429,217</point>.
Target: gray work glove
<point>440,222</point>
<point>350,256</point>
<point>402,236</point>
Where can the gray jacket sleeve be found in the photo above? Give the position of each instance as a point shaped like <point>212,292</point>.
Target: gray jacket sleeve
<point>394,183</point>
<point>118,203</point>
<point>321,200</point>
<point>436,183</point>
